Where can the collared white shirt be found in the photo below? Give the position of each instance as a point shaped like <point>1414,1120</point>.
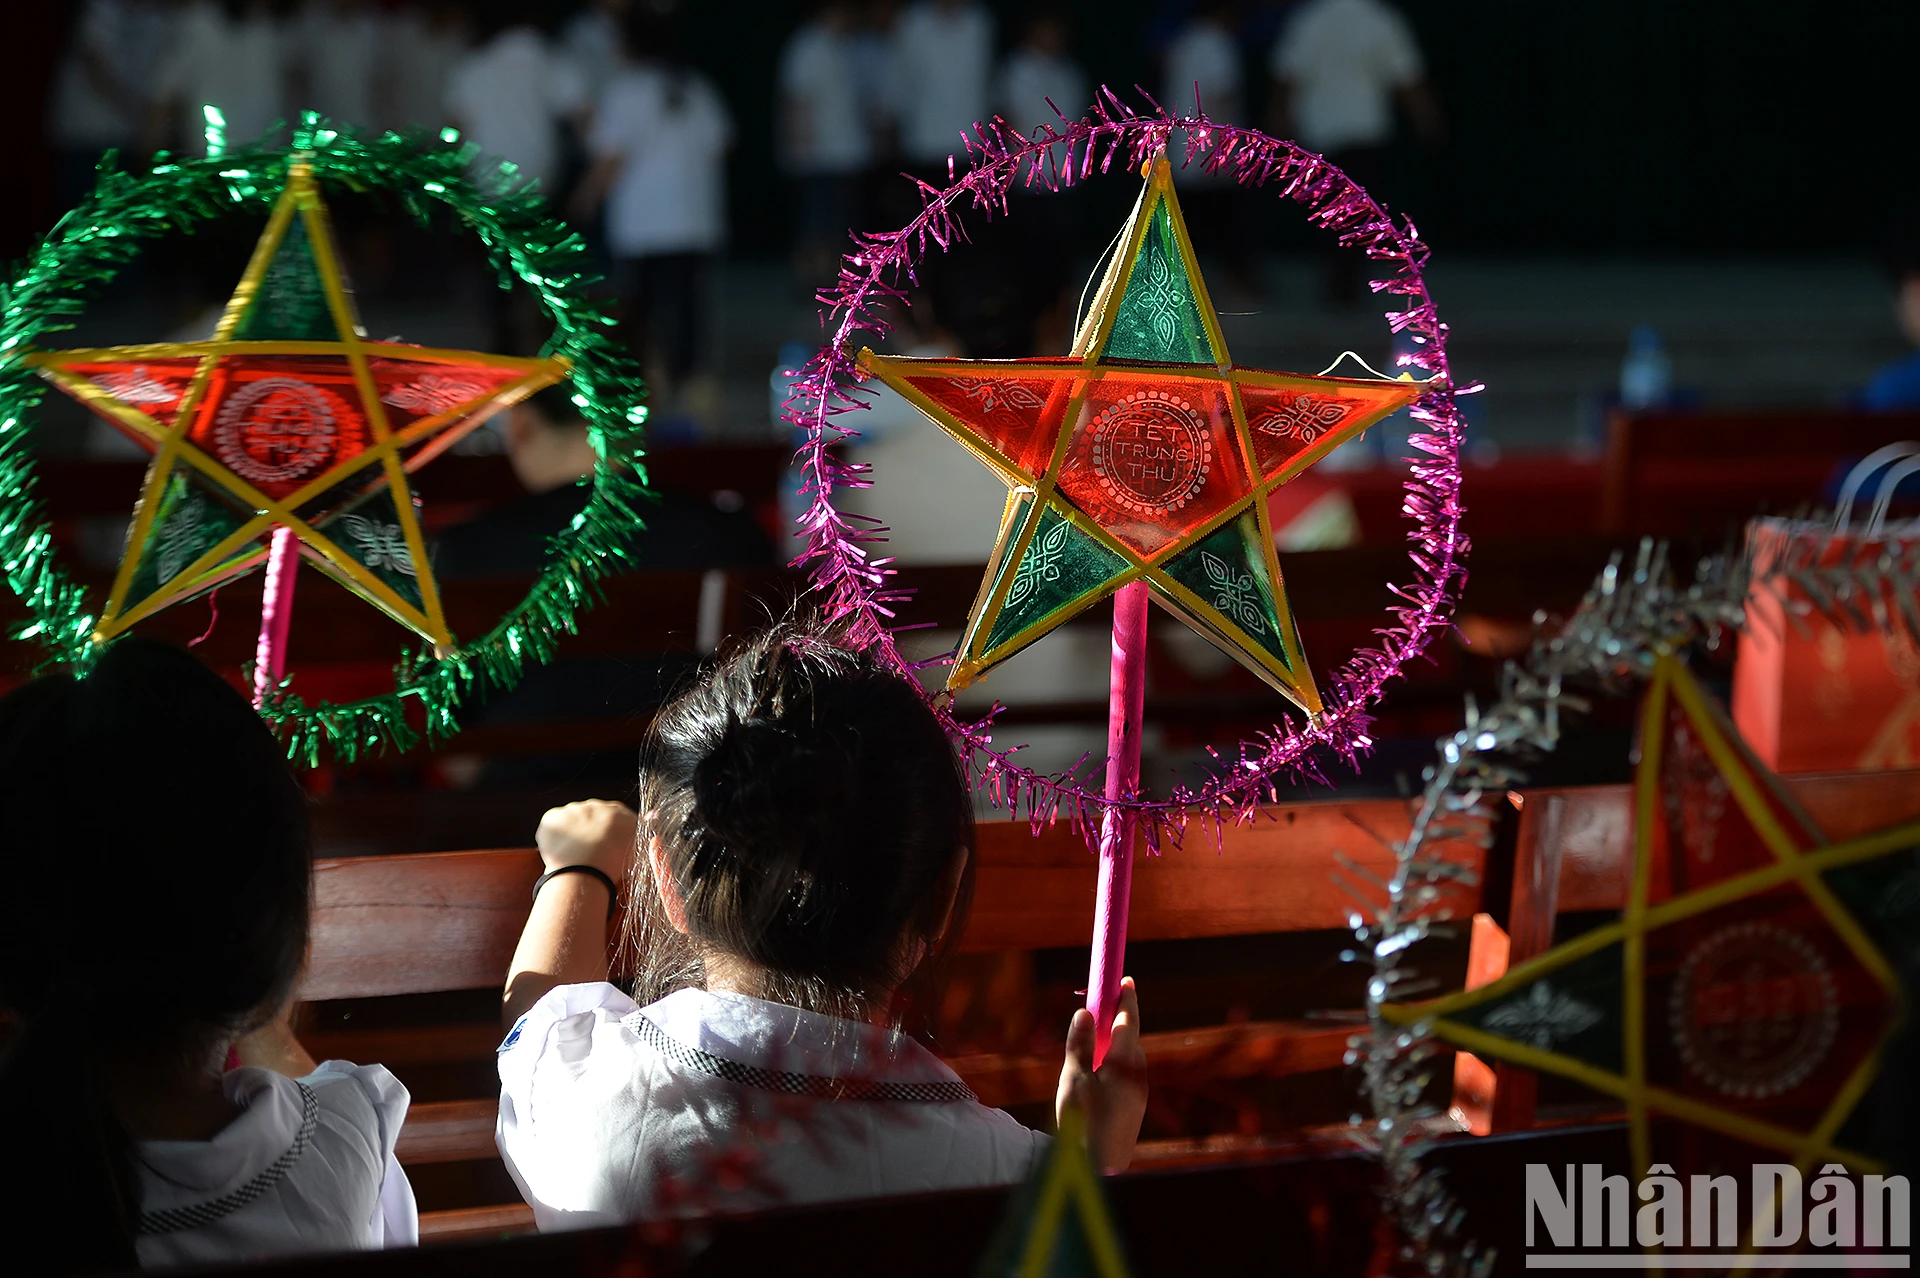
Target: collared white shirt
<point>1345,58</point>
<point>307,1166</point>
<point>671,137</point>
<point>702,1103</point>
<point>942,63</point>
<point>511,94</point>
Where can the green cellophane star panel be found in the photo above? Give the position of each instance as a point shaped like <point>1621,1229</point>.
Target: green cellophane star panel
<point>1061,564</point>
<point>1158,317</point>
<point>1574,1010</point>
<point>1884,895</point>
<point>1229,572</point>
<point>188,524</point>
<point>291,304</point>
<point>371,533</point>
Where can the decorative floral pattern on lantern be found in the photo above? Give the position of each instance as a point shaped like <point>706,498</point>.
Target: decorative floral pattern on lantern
<point>1753,980</point>
<point>1135,458</point>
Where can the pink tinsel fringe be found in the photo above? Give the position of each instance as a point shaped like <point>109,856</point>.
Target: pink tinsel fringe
<point>881,270</point>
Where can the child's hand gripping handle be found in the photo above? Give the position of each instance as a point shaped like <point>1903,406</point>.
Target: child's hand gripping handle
<point>1113,1096</point>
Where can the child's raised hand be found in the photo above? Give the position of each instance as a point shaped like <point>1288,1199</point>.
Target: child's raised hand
<point>596,832</point>
<point>1113,1097</point>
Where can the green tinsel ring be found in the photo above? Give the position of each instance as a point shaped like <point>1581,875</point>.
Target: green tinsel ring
<point>88,247</point>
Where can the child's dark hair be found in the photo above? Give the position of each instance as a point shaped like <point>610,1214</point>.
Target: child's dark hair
<point>153,907</point>
<point>810,811</point>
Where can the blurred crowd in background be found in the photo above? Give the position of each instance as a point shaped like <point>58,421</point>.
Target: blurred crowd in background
<point>673,133</point>
<point>603,109</point>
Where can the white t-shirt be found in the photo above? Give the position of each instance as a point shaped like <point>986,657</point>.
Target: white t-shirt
<point>338,53</point>
<point>593,41</point>
<point>610,1112</point>
<point>511,95</point>
<point>130,39</point>
<point>236,66</point>
<point>1028,82</point>
<point>417,58</point>
<point>820,73</point>
<point>942,60</point>
<point>306,1167</point>
<point>1204,53</point>
<point>1345,58</point>
<point>670,195</point>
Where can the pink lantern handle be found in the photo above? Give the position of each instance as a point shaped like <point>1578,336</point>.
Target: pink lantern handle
<point>276,615</point>
<point>1126,697</point>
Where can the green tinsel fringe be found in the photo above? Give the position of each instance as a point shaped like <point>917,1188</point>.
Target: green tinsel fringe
<point>124,211</point>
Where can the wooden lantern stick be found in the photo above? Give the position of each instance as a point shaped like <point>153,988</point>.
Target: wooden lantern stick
<point>1126,695</point>
<point>276,614</point>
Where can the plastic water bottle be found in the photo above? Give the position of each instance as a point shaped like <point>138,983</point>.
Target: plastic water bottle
<point>780,384</point>
<point>793,502</point>
<point>1646,374</point>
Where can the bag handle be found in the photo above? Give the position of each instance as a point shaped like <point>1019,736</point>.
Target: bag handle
<point>1857,477</point>
<point>1888,483</point>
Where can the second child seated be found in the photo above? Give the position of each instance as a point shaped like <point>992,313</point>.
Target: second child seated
<point>807,847</point>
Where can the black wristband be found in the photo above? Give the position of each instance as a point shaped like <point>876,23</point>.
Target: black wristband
<point>613,890</point>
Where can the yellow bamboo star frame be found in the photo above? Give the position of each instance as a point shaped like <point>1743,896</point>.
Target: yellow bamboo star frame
<point>1801,858</point>
<point>1072,378</point>
<point>1068,1179</point>
<point>239,551</point>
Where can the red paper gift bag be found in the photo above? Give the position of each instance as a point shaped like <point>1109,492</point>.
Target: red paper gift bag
<point>1811,695</point>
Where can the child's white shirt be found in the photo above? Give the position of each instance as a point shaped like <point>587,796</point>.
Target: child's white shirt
<point>307,1166</point>
<point>708,1102</point>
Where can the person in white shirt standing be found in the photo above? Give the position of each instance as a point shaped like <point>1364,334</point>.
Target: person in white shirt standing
<point>1204,59</point>
<point>659,146</point>
<point>511,96</point>
<point>101,92</point>
<point>940,72</point>
<point>1039,71</point>
<point>1338,69</point>
<point>595,39</point>
<point>335,50</point>
<point>154,915</point>
<point>230,56</point>
<point>825,135</point>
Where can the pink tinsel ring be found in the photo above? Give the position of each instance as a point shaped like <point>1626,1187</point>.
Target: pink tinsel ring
<point>882,267</point>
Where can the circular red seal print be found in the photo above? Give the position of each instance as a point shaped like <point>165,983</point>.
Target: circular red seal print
<point>276,430</point>
<point>1151,452</point>
<point>1754,1010</point>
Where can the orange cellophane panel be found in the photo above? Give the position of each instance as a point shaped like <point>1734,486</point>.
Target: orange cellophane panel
<point>280,421</point>
<point>1019,417</point>
<point>154,386</point>
<point>413,389</point>
<point>1153,457</point>
<point>1701,834</point>
<point>1284,421</point>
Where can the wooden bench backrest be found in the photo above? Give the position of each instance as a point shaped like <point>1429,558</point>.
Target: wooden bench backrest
<point>449,920</point>
<point>1680,473</point>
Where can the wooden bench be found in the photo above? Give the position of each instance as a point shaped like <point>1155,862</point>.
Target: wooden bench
<point>448,921</point>
<point>1701,474</point>
<point>1573,854</point>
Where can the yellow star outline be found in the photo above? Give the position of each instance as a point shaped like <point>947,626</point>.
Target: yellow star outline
<point>1801,859</point>
<point>233,555</point>
<point>1067,1180</point>
<point>1035,488</point>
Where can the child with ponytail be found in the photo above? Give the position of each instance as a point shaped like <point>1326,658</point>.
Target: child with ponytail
<point>806,846</point>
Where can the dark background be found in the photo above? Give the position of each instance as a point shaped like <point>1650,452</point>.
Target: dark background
<point>1699,127</point>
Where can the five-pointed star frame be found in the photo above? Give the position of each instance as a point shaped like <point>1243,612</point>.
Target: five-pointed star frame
<point>1748,986</point>
<point>287,416</point>
<point>1145,454</point>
